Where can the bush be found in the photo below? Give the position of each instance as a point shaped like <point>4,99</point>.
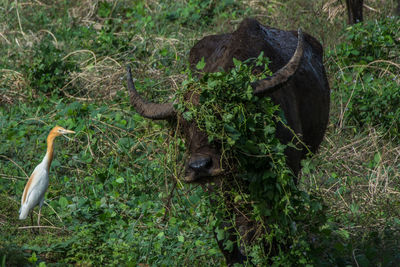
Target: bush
<point>373,101</point>
<point>374,40</point>
<point>367,76</point>
<point>47,71</point>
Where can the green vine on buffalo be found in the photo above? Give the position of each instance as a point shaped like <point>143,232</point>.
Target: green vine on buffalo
<point>261,186</point>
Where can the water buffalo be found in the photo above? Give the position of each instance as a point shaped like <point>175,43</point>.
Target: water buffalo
<point>298,85</point>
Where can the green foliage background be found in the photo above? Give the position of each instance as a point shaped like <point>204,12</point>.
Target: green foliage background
<point>115,195</point>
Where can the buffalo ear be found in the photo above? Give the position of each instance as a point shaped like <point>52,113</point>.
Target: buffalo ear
<point>283,75</point>
<point>154,111</point>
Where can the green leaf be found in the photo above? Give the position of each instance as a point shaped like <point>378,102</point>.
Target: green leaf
<point>220,234</point>
<point>377,158</point>
<point>201,64</point>
<point>188,115</point>
<point>33,258</point>
<point>236,62</point>
<point>199,243</point>
<point>160,235</point>
<point>237,198</point>
<point>120,180</point>
<point>63,202</point>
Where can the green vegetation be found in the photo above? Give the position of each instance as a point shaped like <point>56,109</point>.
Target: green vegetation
<point>115,194</point>
<point>368,64</point>
<point>244,127</point>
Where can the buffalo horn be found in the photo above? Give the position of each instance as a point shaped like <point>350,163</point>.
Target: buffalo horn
<point>284,74</point>
<point>154,111</point>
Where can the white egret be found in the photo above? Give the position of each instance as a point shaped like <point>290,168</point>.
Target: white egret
<point>39,181</point>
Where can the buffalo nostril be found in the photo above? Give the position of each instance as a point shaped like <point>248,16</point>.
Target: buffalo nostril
<point>201,164</point>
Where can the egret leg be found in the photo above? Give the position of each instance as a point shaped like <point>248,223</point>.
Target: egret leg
<point>38,220</point>
<point>32,229</point>
<point>40,211</point>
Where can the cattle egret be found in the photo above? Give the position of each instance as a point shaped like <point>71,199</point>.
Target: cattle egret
<point>39,181</point>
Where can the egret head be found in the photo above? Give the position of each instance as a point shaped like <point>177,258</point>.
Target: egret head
<point>58,130</point>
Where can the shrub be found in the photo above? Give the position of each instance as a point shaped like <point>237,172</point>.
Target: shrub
<point>367,76</point>
<point>374,40</point>
<point>47,71</point>
<point>373,101</point>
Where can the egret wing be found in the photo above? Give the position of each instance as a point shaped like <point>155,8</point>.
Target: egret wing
<point>34,191</point>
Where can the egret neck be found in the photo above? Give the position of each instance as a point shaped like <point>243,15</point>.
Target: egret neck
<point>48,158</point>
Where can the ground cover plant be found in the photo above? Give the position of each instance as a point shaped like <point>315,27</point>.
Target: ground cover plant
<point>115,194</point>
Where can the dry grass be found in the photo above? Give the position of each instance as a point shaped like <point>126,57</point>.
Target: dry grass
<point>15,84</point>
<point>333,9</point>
<point>357,175</point>
<point>85,13</point>
<point>97,80</point>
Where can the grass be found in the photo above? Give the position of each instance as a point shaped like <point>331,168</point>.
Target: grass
<point>115,194</point>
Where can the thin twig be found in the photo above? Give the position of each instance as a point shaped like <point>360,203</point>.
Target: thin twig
<point>82,51</point>
<point>1,35</point>
<point>53,211</point>
<point>52,35</point>
<point>168,205</point>
<point>19,19</point>
<point>42,226</point>
<point>11,177</point>
<point>16,164</point>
